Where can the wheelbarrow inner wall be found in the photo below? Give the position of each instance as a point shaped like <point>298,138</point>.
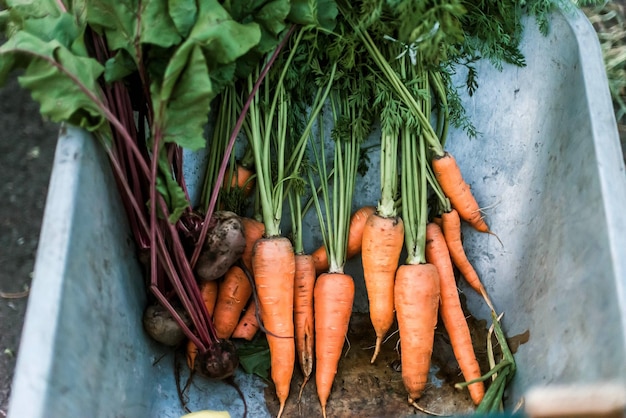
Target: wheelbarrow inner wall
<point>547,168</point>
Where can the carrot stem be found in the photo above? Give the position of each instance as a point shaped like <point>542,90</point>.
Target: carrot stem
<point>297,212</point>
<point>388,169</point>
<point>392,78</point>
<point>233,136</point>
<point>494,393</point>
<point>334,290</point>
<point>338,209</point>
<point>504,346</point>
<point>414,188</point>
<point>295,209</point>
<point>224,123</point>
<point>443,115</point>
<point>494,370</point>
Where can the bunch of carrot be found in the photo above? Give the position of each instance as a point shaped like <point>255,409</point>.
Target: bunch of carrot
<point>303,302</point>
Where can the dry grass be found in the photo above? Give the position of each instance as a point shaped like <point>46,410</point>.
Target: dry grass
<point>609,20</point>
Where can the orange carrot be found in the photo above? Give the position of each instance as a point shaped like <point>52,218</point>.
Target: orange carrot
<point>333,298</point>
<point>451,311</point>
<point>416,295</point>
<point>274,266</point>
<point>382,243</point>
<point>241,178</point>
<point>303,314</point>
<point>452,233</point>
<point>320,260</point>
<point>192,352</point>
<point>355,238</point>
<point>253,231</point>
<point>208,290</point>
<point>233,295</point>
<point>248,324</point>
<point>451,180</point>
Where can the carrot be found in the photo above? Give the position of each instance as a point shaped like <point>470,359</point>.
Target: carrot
<point>192,352</point>
<point>416,290</point>
<point>449,176</point>
<point>416,296</point>
<point>274,266</point>
<point>382,243</point>
<point>241,178</point>
<point>303,314</point>
<point>253,231</point>
<point>248,324</point>
<point>277,158</point>
<point>320,259</point>
<point>233,294</point>
<point>355,238</point>
<point>333,295</point>
<point>383,236</point>
<point>451,311</point>
<point>333,298</point>
<point>208,290</point>
<point>451,224</point>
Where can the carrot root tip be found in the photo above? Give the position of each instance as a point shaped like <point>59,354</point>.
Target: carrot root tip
<point>379,341</point>
<point>497,237</point>
<point>281,409</point>
<point>414,404</point>
<point>306,379</point>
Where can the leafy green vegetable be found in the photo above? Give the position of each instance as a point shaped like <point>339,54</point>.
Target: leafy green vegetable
<point>31,9</point>
<point>184,14</point>
<point>63,84</point>
<point>118,67</point>
<point>321,14</point>
<point>157,26</point>
<point>270,16</point>
<point>182,100</point>
<point>254,357</point>
<point>168,187</point>
<point>115,20</point>
<point>220,35</point>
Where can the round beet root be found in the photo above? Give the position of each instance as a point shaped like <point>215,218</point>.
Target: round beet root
<point>219,362</point>
<point>223,246</point>
<point>162,327</point>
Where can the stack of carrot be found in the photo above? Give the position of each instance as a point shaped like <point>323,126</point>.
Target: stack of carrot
<point>231,303</point>
<point>303,303</point>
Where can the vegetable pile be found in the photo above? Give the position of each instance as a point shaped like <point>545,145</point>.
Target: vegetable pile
<point>145,76</point>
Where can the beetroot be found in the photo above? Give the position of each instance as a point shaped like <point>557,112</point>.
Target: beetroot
<point>219,362</point>
<point>222,247</point>
<point>162,327</point>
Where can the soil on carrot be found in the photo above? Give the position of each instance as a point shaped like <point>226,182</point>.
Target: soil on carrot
<point>375,390</point>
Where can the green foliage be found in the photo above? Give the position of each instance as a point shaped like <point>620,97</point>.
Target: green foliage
<point>184,52</point>
<point>168,187</point>
<point>184,14</point>
<point>182,99</point>
<point>270,16</point>
<point>321,14</point>
<point>63,84</point>
<point>222,37</point>
<point>254,357</point>
<point>119,67</point>
<point>115,20</point>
